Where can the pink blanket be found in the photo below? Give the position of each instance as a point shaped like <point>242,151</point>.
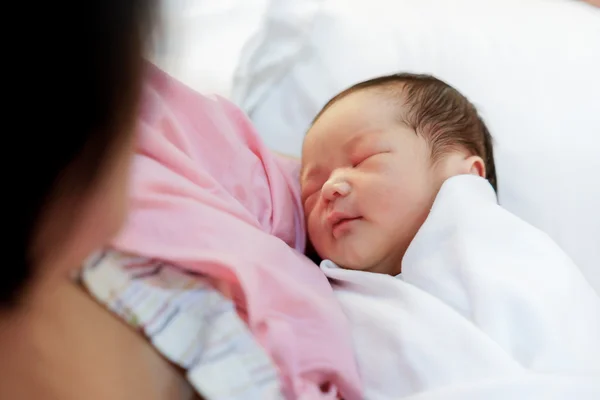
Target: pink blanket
<point>210,197</point>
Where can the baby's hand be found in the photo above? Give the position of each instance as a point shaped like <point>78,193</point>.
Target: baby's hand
<point>593,2</point>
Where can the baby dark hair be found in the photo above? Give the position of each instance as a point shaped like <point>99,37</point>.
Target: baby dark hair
<point>436,111</point>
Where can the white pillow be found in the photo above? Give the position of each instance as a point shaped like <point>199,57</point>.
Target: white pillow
<point>209,44</point>
<point>201,42</point>
<point>532,67</point>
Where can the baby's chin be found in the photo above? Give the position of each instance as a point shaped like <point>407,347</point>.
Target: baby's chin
<point>366,263</point>
<point>346,261</point>
<point>346,258</point>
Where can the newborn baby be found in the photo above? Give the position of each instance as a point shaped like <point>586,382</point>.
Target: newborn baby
<point>374,160</point>
<point>392,174</point>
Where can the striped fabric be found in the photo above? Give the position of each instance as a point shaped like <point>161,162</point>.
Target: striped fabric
<point>187,321</point>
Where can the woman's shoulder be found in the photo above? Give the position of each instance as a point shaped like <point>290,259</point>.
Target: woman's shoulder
<point>72,348</point>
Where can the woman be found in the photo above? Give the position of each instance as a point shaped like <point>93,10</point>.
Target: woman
<point>56,343</point>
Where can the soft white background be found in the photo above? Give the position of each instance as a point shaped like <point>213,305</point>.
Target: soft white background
<point>531,66</point>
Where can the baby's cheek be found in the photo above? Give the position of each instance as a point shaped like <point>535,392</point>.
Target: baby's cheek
<point>311,230</point>
<point>316,235</point>
<point>385,198</point>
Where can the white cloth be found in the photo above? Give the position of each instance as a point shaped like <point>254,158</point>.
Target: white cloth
<point>530,66</point>
<point>487,307</point>
<point>188,322</point>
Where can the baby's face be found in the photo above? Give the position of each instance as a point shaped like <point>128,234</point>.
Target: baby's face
<point>367,183</point>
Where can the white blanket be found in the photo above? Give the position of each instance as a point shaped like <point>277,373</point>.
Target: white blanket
<point>487,307</point>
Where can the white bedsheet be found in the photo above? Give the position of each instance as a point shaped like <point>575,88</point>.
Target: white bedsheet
<point>531,67</point>
<point>487,307</point>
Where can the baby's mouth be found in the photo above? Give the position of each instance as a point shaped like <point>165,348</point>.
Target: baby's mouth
<point>343,226</point>
<point>343,221</point>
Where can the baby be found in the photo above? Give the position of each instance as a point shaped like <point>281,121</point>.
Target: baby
<point>374,160</point>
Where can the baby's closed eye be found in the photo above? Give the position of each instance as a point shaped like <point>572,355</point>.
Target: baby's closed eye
<point>367,159</point>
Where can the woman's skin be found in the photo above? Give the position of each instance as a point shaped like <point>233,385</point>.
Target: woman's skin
<point>68,347</point>
<point>59,343</point>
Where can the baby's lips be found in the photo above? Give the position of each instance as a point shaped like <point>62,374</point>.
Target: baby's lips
<point>336,216</point>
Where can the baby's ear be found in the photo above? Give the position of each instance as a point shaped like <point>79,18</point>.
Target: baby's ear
<point>476,166</point>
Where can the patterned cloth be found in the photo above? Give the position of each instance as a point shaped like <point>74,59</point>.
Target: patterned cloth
<point>188,322</point>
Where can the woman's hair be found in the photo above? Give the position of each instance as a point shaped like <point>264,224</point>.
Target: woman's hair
<point>73,110</point>
<point>435,110</point>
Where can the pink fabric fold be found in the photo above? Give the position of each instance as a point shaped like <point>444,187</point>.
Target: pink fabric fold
<point>208,196</point>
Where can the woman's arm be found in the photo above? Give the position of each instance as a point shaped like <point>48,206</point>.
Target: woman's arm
<point>70,348</point>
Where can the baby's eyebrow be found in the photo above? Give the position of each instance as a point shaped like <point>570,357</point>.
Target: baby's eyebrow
<point>364,137</point>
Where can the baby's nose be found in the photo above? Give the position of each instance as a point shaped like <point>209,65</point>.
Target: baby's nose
<point>335,188</point>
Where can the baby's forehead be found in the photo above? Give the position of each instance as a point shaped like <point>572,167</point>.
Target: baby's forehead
<point>345,120</point>
<point>365,109</point>
<point>366,112</point>
<point>362,107</point>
